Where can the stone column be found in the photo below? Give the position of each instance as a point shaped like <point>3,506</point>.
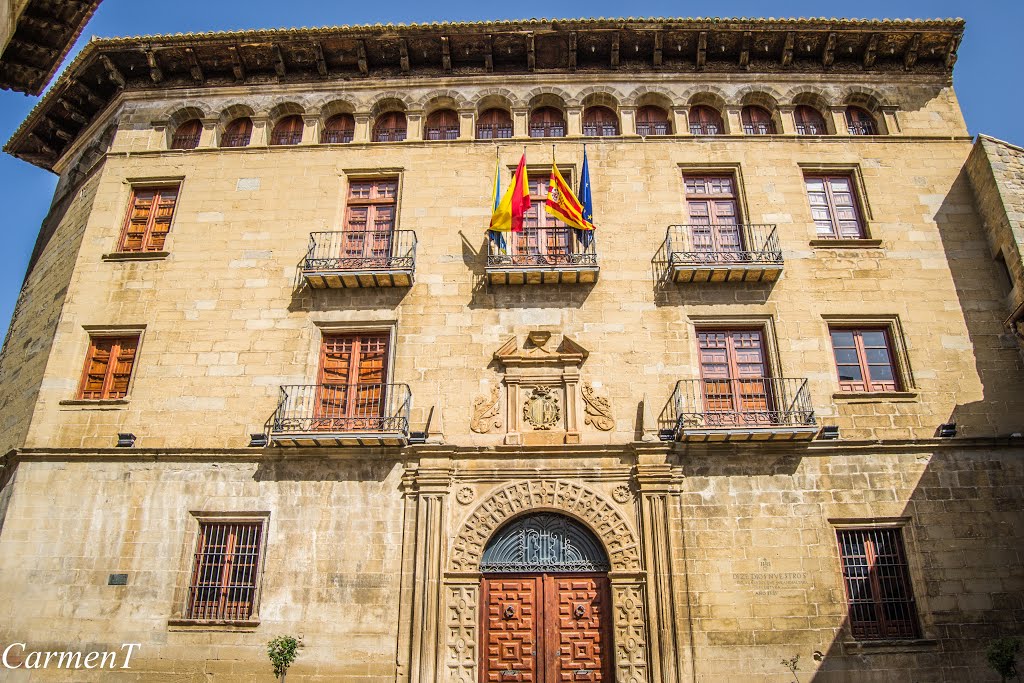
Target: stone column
<point>681,120</point>
<point>733,120</point>
<point>513,418</point>
<point>158,135</point>
<point>572,397</point>
<point>467,124</point>
<point>574,122</point>
<point>890,122</point>
<point>414,125</point>
<point>839,120</point>
<point>520,123</point>
<point>627,122</point>
<point>310,129</point>
<point>662,535</point>
<point>362,130</point>
<point>629,614</point>
<point>208,136</point>
<point>429,488</point>
<point>260,131</point>
<point>787,118</point>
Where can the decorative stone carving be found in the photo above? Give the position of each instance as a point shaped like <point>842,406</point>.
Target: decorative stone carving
<point>461,627</point>
<point>541,410</point>
<point>603,518</point>
<point>622,494</point>
<point>465,495</point>
<point>630,633</point>
<point>598,409</point>
<point>486,412</point>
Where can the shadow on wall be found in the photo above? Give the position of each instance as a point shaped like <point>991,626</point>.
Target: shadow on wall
<point>374,466</point>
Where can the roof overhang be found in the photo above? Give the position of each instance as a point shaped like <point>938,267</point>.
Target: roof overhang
<point>350,53</point>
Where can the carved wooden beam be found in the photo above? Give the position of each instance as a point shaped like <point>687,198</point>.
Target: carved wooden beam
<point>572,50</point>
<point>910,56</point>
<point>702,49</point>
<point>89,95</point>
<point>193,66</point>
<point>156,74</point>
<point>40,23</point>
<point>321,63</point>
<point>659,40</point>
<point>237,65</point>
<point>364,66</point>
<point>787,49</point>
<point>531,52</point>
<point>954,43</point>
<point>60,132</point>
<point>745,50</point>
<point>112,71</point>
<point>41,143</point>
<point>828,56</point>
<point>871,52</point>
<point>489,53</point>
<point>446,54</point>
<point>615,50</point>
<point>279,66</point>
<point>72,112</point>
<point>403,54</point>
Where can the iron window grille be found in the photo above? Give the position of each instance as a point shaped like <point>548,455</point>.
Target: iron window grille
<point>225,569</point>
<point>877,582</point>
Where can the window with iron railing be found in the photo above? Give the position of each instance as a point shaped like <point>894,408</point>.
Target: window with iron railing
<point>705,121</point>
<point>187,135</point>
<point>877,582</point>
<point>547,122</point>
<point>108,367</point>
<point>600,122</point>
<point>225,571</point>
<point>338,128</point>
<point>237,133</point>
<point>150,211</point>
<point>287,131</point>
<point>757,121</point>
<point>651,120</point>
<point>494,124</point>
<point>442,125</point>
<point>860,122</point>
<point>809,121</point>
<point>390,127</point>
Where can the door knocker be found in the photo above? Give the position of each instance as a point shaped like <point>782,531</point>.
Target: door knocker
<point>579,611</point>
<point>509,612</point>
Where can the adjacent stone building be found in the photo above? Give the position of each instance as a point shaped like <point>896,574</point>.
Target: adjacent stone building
<point>269,374</point>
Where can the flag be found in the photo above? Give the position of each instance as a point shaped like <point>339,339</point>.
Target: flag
<point>508,214</point>
<point>586,236</point>
<point>563,204</point>
<point>496,236</point>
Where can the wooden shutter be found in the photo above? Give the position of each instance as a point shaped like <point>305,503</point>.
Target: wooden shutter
<point>237,133</point>
<point>338,128</point>
<point>108,367</point>
<point>809,121</point>
<point>353,373</point>
<point>225,568</point>
<point>651,120</point>
<point>860,122</point>
<point>757,121</point>
<point>600,121</point>
<point>390,127</point>
<point>494,123</point>
<point>877,582</point>
<point>442,125</point>
<point>287,131</point>
<point>542,234</point>
<point>370,218</point>
<point>712,214</point>
<point>705,121</point>
<point>187,135</point>
<point>149,219</point>
<point>733,370</point>
<point>547,122</point>
<point>834,207</point>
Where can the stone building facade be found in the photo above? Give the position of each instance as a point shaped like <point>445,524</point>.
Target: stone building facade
<point>770,410</point>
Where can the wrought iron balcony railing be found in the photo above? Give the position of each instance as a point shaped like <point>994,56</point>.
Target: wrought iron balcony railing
<point>861,128</point>
<point>331,410</point>
<point>547,130</point>
<point>742,403</point>
<point>748,243</point>
<point>705,129</point>
<point>441,133</point>
<point>811,129</point>
<point>758,129</point>
<point>235,139</point>
<point>646,129</point>
<point>543,255</point>
<point>493,131</point>
<point>389,253</point>
<point>334,136</point>
<point>389,134</point>
<point>290,138</point>
<point>600,130</point>
<point>185,142</point>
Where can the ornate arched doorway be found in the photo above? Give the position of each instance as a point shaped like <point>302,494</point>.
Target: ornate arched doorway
<point>545,603</point>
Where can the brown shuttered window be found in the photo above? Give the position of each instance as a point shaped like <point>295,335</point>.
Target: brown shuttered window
<point>390,127</point>
<point>834,207</point>
<point>757,121</point>
<point>543,235</point>
<point>287,131</point>
<point>651,120</point>
<point>600,122</point>
<point>809,121</point>
<point>339,128</point>
<point>547,122</point>
<point>370,218</point>
<point>493,124</point>
<point>187,135</point>
<point>442,125</point>
<point>353,372</point>
<point>224,571</point>
<point>877,582</point>
<point>149,219</point>
<point>705,121</point>
<point>864,359</point>
<point>108,367</point>
<point>237,133</point>
<point>859,122</point>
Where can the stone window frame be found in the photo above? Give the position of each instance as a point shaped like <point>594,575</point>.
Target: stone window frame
<point>715,169</point>
<point>916,577</point>
<point>83,346</point>
<point>324,328</point>
<point>196,518</point>
<point>860,196</point>
<point>349,175</point>
<point>764,323</point>
<point>908,389</point>
<point>129,187</point>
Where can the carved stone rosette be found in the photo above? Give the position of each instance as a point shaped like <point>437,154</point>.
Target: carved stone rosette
<point>598,409</point>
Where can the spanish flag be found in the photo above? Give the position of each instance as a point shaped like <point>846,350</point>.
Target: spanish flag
<point>508,214</point>
<point>563,204</point>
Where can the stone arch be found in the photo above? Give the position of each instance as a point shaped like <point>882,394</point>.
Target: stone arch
<point>652,95</point>
<point>443,99</point>
<point>812,97</point>
<point>336,106</point>
<point>709,97</point>
<point>595,96</point>
<point>283,109</point>
<point>496,98</point>
<point>550,97</point>
<point>759,96</point>
<point>232,112</point>
<point>861,96</point>
<point>178,113</point>
<point>583,504</point>
<point>392,100</point>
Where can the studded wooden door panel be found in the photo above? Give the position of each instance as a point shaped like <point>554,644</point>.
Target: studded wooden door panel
<point>511,612</point>
<point>576,629</point>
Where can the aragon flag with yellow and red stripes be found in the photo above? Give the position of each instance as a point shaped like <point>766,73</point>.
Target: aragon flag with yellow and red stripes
<point>563,204</point>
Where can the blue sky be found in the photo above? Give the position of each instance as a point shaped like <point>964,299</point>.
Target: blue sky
<point>987,77</point>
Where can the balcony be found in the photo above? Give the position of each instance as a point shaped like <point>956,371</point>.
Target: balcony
<point>342,415</point>
<point>723,253</point>
<point>493,131</point>
<point>745,409</point>
<point>441,133</point>
<point>351,258</point>
<point>542,256</point>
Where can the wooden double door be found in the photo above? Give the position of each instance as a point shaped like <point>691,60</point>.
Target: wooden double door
<point>546,628</point>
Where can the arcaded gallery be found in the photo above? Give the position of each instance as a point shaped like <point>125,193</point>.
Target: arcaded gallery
<point>309,345</point>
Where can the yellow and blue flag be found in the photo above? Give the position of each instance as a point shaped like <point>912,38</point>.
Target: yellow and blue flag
<point>586,236</point>
<point>497,237</point>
